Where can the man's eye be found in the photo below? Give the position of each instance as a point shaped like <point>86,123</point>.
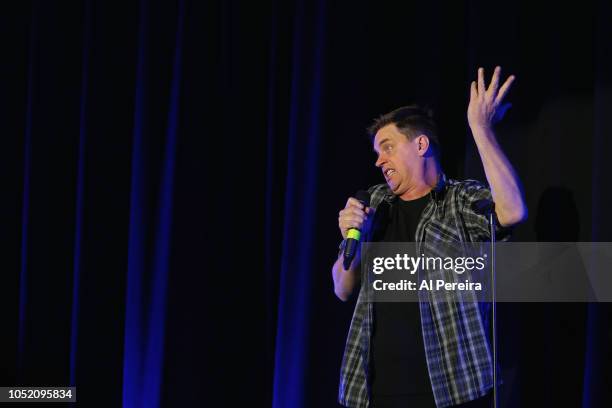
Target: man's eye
<point>388,148</point>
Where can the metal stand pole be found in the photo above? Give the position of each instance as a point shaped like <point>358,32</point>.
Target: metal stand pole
<point>494,315</point>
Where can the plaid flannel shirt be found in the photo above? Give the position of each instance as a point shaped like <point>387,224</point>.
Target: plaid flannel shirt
<point>455,331</point>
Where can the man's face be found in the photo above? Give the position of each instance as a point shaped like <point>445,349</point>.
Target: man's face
<point>398,158</point>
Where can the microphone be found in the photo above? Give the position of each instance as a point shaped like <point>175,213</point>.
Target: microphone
<point>353,236</point>
<point>483,207</point>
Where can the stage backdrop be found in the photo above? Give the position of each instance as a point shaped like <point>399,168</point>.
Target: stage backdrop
<point>173,172</point>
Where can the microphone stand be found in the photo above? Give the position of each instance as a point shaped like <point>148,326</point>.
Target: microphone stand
<point>494,314</point>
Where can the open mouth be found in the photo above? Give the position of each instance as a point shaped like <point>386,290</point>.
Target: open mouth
<point>388,173</point>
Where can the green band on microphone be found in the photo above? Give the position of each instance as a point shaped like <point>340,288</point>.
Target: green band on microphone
<point>354,234</point>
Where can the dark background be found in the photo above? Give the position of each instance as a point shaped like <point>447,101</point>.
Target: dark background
<point>172,174</point>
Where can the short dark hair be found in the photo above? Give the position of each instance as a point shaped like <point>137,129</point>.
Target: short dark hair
<point>411,121</point>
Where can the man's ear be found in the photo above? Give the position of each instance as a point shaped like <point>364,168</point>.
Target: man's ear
<point>422,144</point>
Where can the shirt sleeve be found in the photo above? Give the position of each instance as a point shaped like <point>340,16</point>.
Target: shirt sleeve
<point>476,204</point>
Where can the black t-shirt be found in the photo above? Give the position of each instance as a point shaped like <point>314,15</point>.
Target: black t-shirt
<point>399,369</point>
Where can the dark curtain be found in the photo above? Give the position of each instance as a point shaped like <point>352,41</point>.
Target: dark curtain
<point>173,171</point>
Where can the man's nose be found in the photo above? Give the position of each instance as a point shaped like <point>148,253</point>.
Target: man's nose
<point>380,161</point>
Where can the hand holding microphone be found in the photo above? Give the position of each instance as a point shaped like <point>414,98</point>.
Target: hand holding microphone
<point>351,221</point>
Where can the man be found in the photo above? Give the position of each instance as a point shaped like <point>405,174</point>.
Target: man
<point>415,354</point>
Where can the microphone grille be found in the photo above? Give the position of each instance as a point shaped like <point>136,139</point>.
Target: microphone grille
<point>364,197</point>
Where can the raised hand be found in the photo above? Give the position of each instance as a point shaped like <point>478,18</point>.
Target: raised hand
<point>486,106</point>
